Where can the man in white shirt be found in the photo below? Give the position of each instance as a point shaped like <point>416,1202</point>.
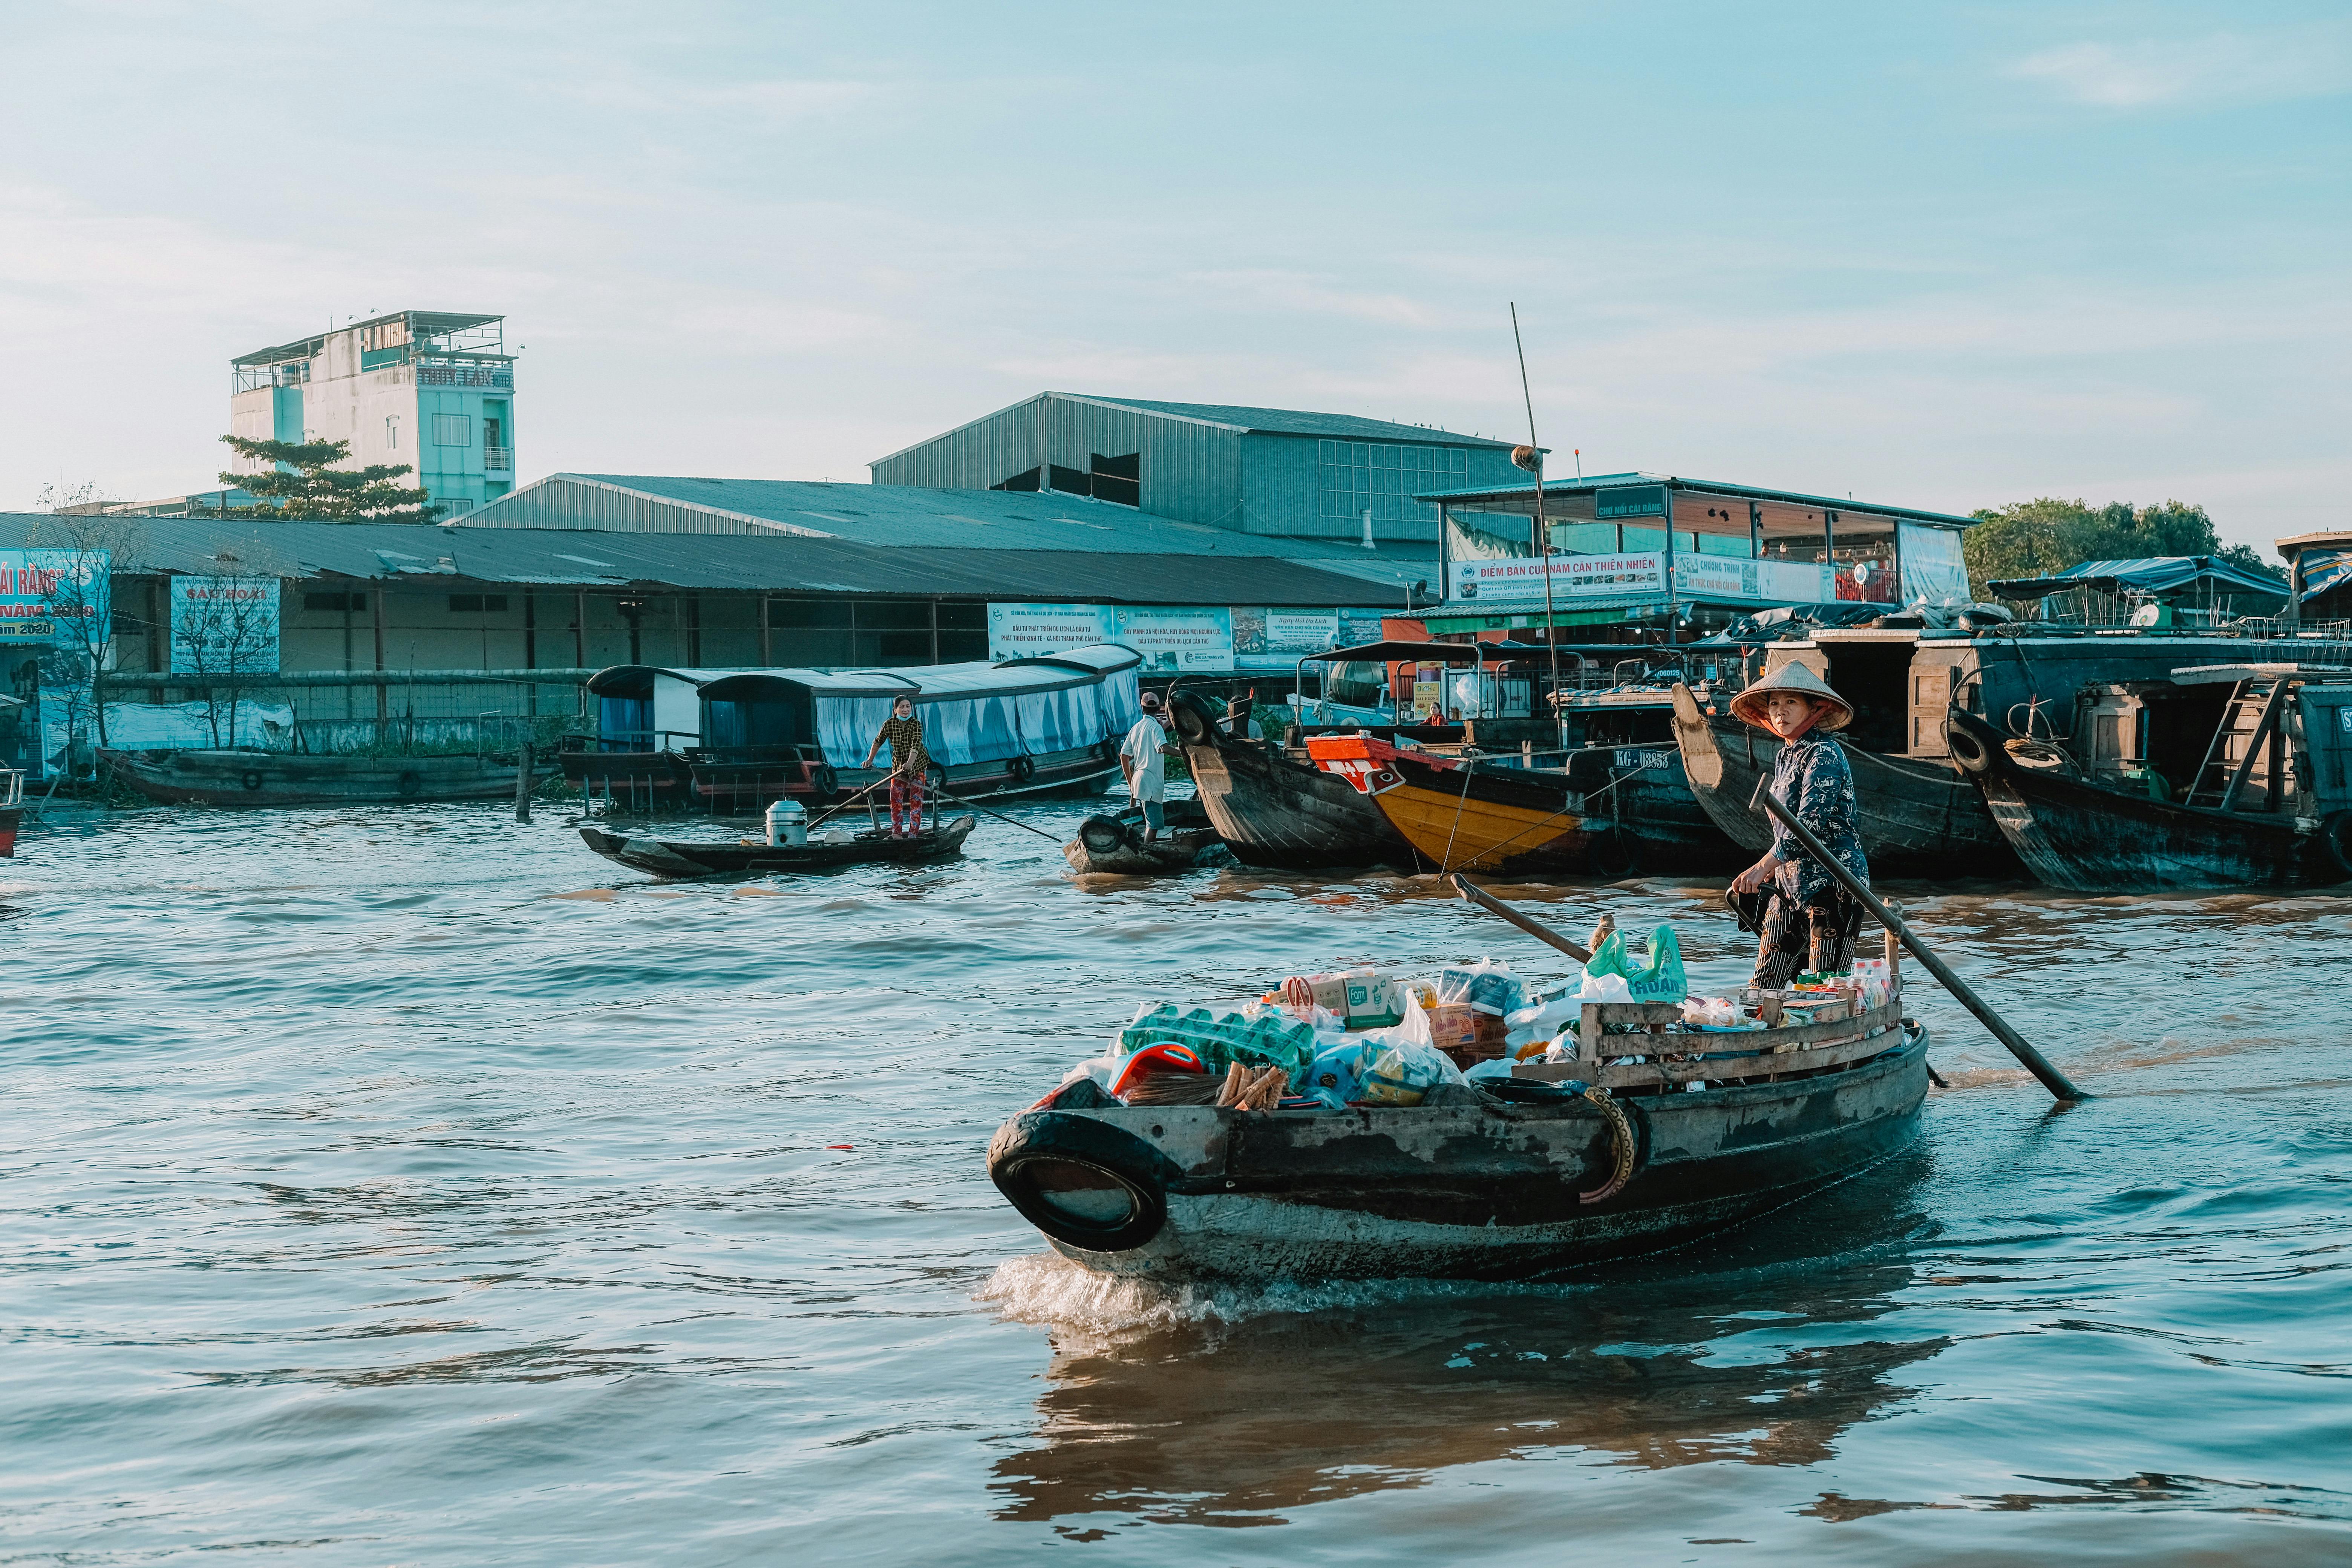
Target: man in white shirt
<point>1142,757</point>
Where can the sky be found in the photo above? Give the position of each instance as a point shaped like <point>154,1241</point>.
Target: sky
<point>1941,255</point>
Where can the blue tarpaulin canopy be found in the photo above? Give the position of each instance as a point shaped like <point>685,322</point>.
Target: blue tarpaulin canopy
<point>2156,577</point>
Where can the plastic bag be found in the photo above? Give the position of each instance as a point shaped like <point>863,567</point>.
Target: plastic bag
<point>1546,1018</point>
<point>1660,978</point>
<point>1402,1073</point>
<point>1488,985</point>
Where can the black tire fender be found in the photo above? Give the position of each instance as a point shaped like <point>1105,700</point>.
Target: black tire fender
<point>410,783</point>
<point>1969,749</point>
<point>252,779</point>
<point>1020,770</point>
<point>1195,725</point>
<point>822,779</point>
<point>1084,1141</point>
<point>2336,840</point>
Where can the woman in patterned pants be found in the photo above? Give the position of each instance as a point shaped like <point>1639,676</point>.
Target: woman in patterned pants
<point>909,762</point>
<point>1809,921</point>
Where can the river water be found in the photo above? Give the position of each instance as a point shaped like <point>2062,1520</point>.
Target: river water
<point>410,1186</point>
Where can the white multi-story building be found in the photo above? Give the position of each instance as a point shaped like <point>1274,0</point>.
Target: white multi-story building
<point>431,389</point>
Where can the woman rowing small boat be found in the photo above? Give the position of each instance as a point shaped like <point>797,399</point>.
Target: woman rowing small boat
<point>1808,920</point>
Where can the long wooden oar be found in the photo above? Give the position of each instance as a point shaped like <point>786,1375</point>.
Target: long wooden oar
<point>2039,1066</point>
<point>1540,933</point>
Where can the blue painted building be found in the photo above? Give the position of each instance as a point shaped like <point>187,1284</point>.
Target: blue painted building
<point>1252,470</point>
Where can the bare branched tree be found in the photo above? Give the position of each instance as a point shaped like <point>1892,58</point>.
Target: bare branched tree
<point>79,557</point>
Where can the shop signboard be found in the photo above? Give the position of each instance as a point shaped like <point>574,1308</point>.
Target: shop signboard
<point>224,626</point>
<point>1173,638</point>
<point>1520,581</point>
<point>1027,631</point>
<point>53,597</point>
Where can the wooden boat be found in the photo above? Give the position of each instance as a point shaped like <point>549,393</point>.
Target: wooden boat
<point>1461,815</point>
<point>288,778</point>
<point>1114,845</point>
<point>735,740</point>
<point>1546,1176</point>
<point>1915,816</point>
<point>2075,832</point>
<point>636,780</point>
<point>12,810</point>
<point>678,860</point>
<point>1276,811</point>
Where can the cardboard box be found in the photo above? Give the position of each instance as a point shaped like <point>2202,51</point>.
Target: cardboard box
<point>1458,1027</point>
<point>1374,1001</point>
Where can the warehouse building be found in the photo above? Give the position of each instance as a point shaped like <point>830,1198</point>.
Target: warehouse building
<point>348,630</point>
<point>1260,471</point>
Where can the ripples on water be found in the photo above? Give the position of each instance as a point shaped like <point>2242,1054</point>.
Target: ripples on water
<point>409,1186</point>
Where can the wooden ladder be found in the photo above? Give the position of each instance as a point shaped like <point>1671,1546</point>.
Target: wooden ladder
<point>2252,714</point>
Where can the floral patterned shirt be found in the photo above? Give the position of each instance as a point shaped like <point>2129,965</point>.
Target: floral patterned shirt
<point>1810,776</point>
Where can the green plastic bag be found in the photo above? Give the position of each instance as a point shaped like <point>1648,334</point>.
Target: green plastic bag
<point>1659,980</point>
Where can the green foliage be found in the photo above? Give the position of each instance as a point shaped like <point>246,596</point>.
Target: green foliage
<point>317,491</point>
<point>2032,538</point>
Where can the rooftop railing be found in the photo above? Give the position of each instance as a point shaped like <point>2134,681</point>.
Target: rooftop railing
<point>498,459</point>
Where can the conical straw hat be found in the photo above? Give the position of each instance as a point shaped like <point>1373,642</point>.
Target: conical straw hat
<point>1796,677</point>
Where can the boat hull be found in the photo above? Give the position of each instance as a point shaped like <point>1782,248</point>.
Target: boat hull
<point>1656,823</point>
<point>1511,822</point>
<point>641,781</point>
<point>1490,1190</point>
<point>2083,837</point>
<point>1279,814</point>
<point>681,859</point>
<point>1113,845</point>
<point>1915,816</point>
<point>281,778</point>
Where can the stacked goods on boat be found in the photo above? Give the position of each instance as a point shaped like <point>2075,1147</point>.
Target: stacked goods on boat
<point>1356,1036</point>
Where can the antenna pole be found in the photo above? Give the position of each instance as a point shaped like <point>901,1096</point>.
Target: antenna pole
<point>1543,536</point>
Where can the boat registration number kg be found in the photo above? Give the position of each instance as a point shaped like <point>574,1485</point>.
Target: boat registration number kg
<point>1630,759</point>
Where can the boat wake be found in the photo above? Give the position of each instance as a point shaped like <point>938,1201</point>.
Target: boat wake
<point>1048,1289</point>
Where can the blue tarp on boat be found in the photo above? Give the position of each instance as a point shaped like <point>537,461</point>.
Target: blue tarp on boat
<point>2157,577</point>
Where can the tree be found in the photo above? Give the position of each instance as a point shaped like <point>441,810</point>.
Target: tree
<point>317,491</point>
<point>2035,538</point>
<point>83,554</point>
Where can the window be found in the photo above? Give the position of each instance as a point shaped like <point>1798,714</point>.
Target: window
<point>477,604</point>
<point>1356,476</point>
<point>453,430</point>
<point>334,603</point>
<point>456,506</point>
<point>392,432</point>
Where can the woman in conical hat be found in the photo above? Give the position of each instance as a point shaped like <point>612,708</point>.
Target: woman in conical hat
<point>1809,921</point>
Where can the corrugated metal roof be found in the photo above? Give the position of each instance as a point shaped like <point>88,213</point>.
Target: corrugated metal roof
<point>1684,482</point>
<point>908,514</point>
<point>1292,421</point>
<point>388,552</point>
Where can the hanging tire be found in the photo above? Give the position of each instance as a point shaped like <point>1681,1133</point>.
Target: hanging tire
<point>409,784</point>
<point>1195,725</point>
<point>1969,749</point>
<point>1108,748</point>
<point>822,779</point>
<point>2336,840</point>
<point>1020,770</point>
<point>252,779</point>
<point>1083,1181</point>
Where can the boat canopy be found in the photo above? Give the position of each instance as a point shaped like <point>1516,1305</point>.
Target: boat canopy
<point>2155,576</point>
<point>976,712</point>
<point>1394,652</point>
